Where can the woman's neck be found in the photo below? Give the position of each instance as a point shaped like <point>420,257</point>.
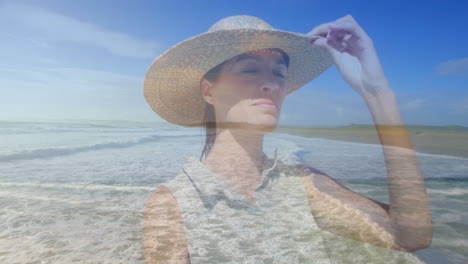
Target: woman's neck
<point>237,157</point>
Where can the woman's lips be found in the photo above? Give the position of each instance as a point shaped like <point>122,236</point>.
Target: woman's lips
<point>265,104</point>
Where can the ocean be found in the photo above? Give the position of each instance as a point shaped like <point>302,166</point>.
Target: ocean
<point>75,192</point>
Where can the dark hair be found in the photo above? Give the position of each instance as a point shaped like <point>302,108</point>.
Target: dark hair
<point>209,119</point>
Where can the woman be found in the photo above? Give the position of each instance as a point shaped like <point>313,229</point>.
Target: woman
<point>239,206</point>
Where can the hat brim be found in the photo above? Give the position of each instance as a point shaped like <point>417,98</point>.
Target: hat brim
<point>171,85</point>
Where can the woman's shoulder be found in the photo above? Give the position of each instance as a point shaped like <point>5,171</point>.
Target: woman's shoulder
<point>171,192</point>
<point>342,211</point>
<point>320,183</point>
<point>162,216</point>
<point>162,195</point>
<point>176,183</point>
<point>178,190</point>
<point>324,184</point>
<point>319,180</point>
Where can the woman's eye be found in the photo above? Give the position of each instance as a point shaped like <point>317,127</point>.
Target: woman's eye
<point>250,71</point>
<point>279,74</point>
<point>253,71</point>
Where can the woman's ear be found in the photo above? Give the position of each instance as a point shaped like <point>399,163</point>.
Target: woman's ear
<point>207,91</point>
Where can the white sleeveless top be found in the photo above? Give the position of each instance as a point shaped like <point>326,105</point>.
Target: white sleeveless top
<point>222,226</point>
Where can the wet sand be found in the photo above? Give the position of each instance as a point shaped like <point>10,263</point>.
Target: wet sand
<point>441,140</point>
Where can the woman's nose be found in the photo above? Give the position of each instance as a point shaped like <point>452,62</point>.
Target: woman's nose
<point>268,88</point>
<point>270,83</point>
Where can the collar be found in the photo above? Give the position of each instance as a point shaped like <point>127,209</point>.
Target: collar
<point>212,189</point>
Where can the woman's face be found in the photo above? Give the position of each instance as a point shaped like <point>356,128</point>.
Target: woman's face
<point>249,90</point>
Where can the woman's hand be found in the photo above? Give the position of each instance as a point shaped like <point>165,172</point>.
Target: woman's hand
<point>408,211</point>
<point>354,54</point>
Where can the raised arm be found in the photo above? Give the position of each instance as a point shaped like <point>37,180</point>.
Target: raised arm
<point>407,218</point>
<point>163,237</point>
<point>409,208</point>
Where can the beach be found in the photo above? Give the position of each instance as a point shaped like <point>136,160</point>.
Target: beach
<point>75,192</point>
<point>440,140</point>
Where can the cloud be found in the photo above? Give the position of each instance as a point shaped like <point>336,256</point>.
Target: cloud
<point>70,79</point>
<point>461,106</point>
<point>71,92</point>
<point>314,106</point>
<point>458,67</point>
<point>413,104</point>
<point>339,111</point>
<point>59,28</point>
<point>10,37</point>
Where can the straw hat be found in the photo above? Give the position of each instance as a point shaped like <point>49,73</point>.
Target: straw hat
<point>172,82</point>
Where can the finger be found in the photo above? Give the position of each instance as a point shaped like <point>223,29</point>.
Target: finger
<point>320,30</point>
<point>349,27</point>
<point>344,26</point>
<point>338,35</point>
<point>354,45</point>
<point>347,37</point>
<point>330,45</point>
<point>336,38</point>
<point>346,18</point>
<point>337,45</point>
<point>325,27</point>
<point>321,42</point>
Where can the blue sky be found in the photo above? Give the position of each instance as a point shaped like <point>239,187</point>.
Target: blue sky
<point>87,59</point>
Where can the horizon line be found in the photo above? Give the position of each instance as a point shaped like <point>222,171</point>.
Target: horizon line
<point>168,123</point>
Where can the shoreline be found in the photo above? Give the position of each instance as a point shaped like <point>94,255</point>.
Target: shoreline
<point>448,141</point>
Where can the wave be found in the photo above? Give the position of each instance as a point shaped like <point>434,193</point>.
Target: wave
<point>369,145</point>
<point>93,203</point>
<point>55,152</point>
<point>79,186</point>
<point>453,191</point>
<point>67,130</point>
<point>14,195</point>
<point>46,128</point>
<point>441,156</point>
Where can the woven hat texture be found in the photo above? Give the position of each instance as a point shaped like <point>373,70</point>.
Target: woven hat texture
<point>172,82</point>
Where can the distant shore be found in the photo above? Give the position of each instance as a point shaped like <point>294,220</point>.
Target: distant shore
<point>441,140</point>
